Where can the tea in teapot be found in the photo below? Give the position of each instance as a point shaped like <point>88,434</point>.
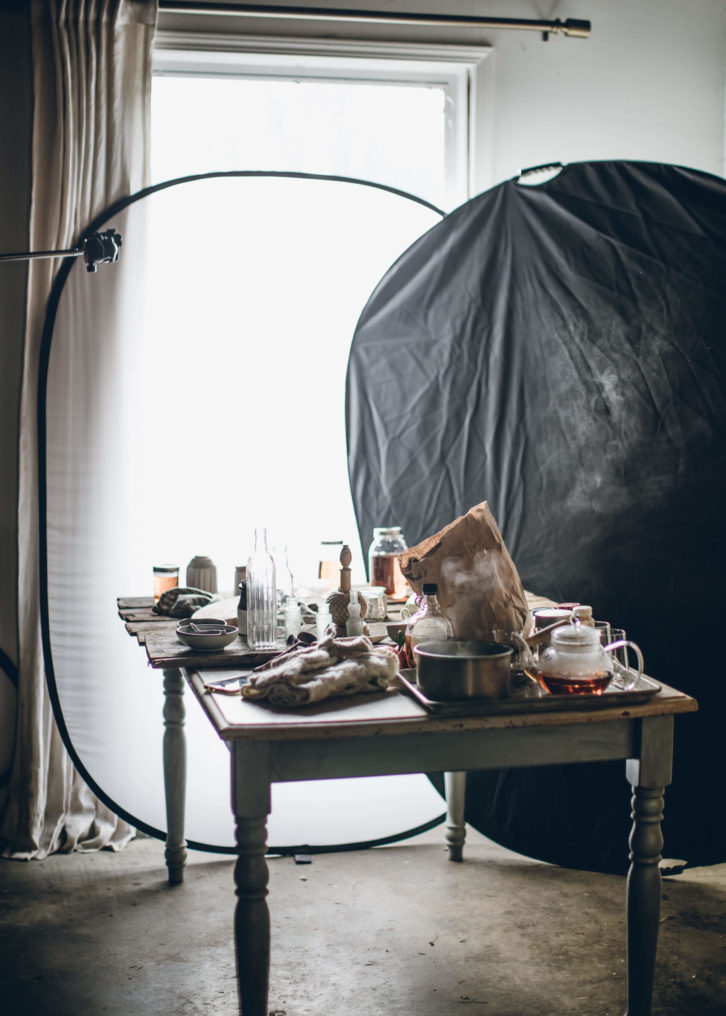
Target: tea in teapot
<point>576,663</point>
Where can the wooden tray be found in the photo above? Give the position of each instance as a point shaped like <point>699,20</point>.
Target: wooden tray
<point>524,702</point>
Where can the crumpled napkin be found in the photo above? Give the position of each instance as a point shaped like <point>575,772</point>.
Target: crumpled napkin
<point>182,601</point>
<point>332,667</point>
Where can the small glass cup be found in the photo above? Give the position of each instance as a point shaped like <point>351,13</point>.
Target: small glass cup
<point>620,654</point>
<point>625,678</point>
<point>604,630</point>
<point>166,576</point>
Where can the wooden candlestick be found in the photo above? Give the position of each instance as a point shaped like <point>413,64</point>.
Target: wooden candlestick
<point>345,558</point>
<point>339,600</point>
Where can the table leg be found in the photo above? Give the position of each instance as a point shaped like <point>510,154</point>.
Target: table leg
<point>251,803</point>
<point>649,776</point>
<point>175,774</point>
<point>455,789</point>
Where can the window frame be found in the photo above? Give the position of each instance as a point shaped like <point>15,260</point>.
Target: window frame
<point>454,68</point>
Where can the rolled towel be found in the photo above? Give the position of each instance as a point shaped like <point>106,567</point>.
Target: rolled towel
<point>333,667</point>
<point>182,601</point>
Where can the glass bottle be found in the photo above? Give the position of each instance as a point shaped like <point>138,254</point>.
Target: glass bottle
<point>429,622</point>
<point>383,567</point>
<point>242,608</point>
<point>261,595</point>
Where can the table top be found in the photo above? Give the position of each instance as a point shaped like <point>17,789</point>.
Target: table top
<point>365,715</point>
<point>395,713</point>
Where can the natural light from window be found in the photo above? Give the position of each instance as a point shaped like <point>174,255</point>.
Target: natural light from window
<point>388,132</point>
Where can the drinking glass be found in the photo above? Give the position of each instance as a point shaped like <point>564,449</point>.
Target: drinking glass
<point>621,654</point>
<point>625,678</point>
<point>604,630</point>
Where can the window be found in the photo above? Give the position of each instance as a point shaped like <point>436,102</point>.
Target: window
<point>396,116</point>
<point>390,113</point>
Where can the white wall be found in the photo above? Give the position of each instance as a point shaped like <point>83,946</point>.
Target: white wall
<point>647,84</point>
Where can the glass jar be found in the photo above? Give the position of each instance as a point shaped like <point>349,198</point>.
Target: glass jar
<point>166,576</point>
<point>383,567</point>
<point>429,622</point>
<point>329,563</point>
<point>261,595</point>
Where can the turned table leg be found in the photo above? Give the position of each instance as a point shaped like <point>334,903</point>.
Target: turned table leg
<point>649,776</point>
<point>251,803</point>
<point>455,789</point>
<point>175,774</point>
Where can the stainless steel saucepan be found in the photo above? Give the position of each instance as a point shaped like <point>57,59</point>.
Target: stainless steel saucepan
<point>451,670</point>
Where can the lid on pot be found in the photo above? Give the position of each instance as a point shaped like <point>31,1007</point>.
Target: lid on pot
<point>576,638</point>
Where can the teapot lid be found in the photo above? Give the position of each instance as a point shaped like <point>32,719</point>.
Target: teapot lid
<point>576,637</point>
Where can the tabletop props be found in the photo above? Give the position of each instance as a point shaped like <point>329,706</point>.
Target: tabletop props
<point>332,667</point>
<point>339,600</point>
<point>479,587</point>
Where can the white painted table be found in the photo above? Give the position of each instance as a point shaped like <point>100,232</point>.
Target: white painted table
<point>392,734</point>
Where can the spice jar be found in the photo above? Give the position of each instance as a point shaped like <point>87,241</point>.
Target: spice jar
<point>383,567</point>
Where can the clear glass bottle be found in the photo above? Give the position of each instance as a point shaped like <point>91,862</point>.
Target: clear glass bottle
<point>429,622</point>
<point>383,567</point>
<point>261,595</point>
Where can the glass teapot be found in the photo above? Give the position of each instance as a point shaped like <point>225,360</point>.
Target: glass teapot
<point>576,663</point>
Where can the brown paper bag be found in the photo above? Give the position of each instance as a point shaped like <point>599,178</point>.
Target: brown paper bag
<point>479,586</point>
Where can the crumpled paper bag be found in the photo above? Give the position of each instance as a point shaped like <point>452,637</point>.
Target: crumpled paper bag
<point>479,586</point>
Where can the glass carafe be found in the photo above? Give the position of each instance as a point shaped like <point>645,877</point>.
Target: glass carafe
<point>261,595</point>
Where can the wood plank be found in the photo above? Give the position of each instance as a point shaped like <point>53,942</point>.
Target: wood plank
<point>144,615</point>
<point>442,751</point>
<point>131,602</point>
<point>165,650</point>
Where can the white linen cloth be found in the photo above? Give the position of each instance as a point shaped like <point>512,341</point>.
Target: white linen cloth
<point>333,667</point>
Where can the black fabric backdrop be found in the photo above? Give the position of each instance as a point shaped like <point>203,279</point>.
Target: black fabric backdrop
<point>559,351</point>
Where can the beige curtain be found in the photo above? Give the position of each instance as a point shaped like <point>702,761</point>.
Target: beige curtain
<point>91,103</point>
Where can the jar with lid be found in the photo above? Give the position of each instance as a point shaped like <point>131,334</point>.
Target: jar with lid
<point>383,567</point>
<point>429,622</point>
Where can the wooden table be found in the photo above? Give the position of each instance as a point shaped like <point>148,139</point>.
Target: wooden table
<point>392,734</point>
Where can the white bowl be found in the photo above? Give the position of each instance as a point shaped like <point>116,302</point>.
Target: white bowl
<point>206,636</point>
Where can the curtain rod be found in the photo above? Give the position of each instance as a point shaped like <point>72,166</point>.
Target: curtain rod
<point>571,27</point>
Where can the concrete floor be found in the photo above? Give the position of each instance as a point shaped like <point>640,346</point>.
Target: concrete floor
<point>395,930</point>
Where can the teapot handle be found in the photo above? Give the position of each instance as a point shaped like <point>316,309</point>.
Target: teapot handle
<point>625,677</point>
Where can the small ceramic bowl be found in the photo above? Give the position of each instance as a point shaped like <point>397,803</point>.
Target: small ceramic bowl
<point>394,629</point>
<point>206,636</point>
